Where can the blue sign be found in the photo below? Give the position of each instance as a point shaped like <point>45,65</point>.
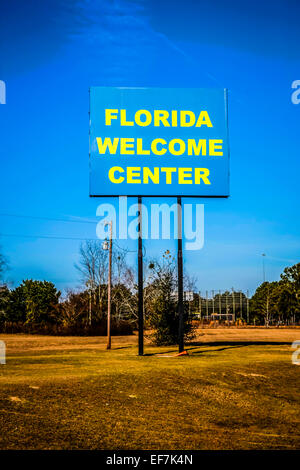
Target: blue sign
<point>158,142</point>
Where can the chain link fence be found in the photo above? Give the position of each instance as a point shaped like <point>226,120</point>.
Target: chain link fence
<point>220,305</point>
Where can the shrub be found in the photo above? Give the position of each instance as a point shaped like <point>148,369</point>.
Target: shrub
<point>162,304</point>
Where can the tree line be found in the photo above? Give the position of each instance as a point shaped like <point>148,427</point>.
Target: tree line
<point>278,302</point>
<point>38,307</point>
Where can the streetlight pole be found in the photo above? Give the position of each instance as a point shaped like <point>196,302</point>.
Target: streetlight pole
<point>109,287</point>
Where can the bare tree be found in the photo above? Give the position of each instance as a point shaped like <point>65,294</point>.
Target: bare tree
<point>190,282</point>
<point>93,262</point>
<point>73,308</point>
<point>124,286</point>
<point>93,267</point>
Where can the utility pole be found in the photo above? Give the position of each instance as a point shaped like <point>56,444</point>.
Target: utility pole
<point>109,285</point>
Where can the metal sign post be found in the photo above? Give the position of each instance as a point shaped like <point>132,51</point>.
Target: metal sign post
<point>140,280</point>
<point>108,346</point>
<point>180,278</point>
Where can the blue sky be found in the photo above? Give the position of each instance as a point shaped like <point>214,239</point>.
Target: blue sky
<point>51,52</point>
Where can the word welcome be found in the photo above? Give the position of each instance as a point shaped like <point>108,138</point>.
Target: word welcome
<point>132,146</point>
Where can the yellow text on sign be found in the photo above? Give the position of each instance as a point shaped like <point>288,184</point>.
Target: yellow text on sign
<point>157,175</point>
<point>159,117</point>
<point>132,146</point>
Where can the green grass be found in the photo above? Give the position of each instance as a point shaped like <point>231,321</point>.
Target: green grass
<point>70,393</point>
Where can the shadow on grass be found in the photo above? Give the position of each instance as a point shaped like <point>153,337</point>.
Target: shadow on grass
<point>221,345</point>
<point>188,349</point>
<point>231,345</point>
<point>239,343</point>
<point>225,348</point>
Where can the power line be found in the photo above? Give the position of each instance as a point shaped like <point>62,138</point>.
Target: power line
<point>129,251</point>
<point>46,237</point>
<point>124,249</point>
<point>49,218</point>
<point>49,237</point>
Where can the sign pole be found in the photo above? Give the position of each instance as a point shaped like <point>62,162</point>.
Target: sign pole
<point>140,280</point>
<point>109,289</point>
<point>180,277</point>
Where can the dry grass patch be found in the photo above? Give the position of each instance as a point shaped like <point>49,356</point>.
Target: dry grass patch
<point>70,393</point>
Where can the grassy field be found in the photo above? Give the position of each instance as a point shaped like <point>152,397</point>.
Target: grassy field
<point>237,389</point>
